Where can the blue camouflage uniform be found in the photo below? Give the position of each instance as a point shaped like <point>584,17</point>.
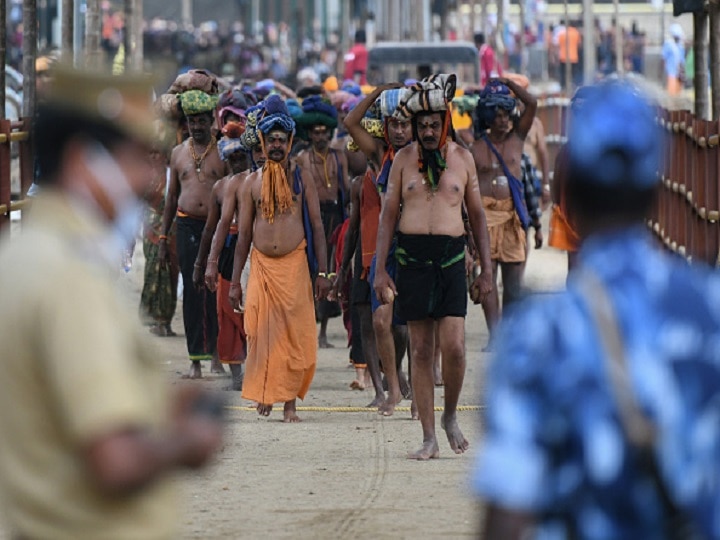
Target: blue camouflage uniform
<point>554,445</point>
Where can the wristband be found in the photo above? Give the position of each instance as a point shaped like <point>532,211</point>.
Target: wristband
<point>162,237</point>
<point>332,275</point>
<point>323,275</point>
<point>212,261</point>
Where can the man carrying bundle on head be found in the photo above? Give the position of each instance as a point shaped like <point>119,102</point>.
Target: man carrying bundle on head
<point>327,168</point>
<point>379,136</point>
<point>432,178</point>
<point>497,152</point>
<point>195,166</point>
<point>279,314</point>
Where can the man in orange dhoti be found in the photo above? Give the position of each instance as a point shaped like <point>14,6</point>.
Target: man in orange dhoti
<point>279,307</point>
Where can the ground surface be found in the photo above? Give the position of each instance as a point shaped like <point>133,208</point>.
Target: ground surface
<point>337,474</point>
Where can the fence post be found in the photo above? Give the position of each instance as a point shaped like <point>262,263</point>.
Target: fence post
<point>27,163</point>
<point>5,157</point>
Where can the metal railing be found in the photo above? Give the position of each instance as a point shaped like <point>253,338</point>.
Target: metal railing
<point>687,215</point>
<point>14,132</point>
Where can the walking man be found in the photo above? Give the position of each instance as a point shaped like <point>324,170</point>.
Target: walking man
<point>431,284</point>
<point>279,311</point>
<point>195,166</point>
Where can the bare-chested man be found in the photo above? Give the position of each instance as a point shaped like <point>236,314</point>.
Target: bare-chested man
<point>215,269</point>
<point>376,317</point>
<point>328,169</point>
<point>195,166</point>
<point>431,285</point>
<point>279,311</point>
<point>497,153</point>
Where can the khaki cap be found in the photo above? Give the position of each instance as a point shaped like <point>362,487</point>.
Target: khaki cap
<point>122,101</point>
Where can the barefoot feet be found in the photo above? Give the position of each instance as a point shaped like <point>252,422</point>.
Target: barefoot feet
<point>457,440</point>
<point>217,367</point>
<point>429,450</point>
<point>323,343</point>
<point>387,408</point>
<point>379,400</point>
<point>264,410</point>
<point>195,371</point>
<point>290,413</point>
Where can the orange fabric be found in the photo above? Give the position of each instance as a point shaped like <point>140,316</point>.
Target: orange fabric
<point>231,333</point>
<point>507,237</point>
<point>275,194</point>
<point>369,221</point>
<point>280,328</point>
<point>573,40</point>
<point>562,236</point>
<point>674,87</point>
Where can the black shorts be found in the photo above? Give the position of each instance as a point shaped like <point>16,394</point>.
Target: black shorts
<point>360,288</point>
<point>431,280</point>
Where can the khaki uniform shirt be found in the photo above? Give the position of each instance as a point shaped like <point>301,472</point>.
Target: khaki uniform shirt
<point>75,366</point>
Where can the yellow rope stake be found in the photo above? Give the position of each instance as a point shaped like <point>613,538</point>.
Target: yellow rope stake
<point>356,409</point>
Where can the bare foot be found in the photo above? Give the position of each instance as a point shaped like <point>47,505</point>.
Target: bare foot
<point>290,413</point>
<point>323,343</point>
<point>457,440</point>
<point>379,400</point>
<point>217,367</point>
<point>264,410</point>
<point>357,385</point>
<point>414,414</point>
<point>237,377</point>
<point>195,371</point>
<point>429,450</point>
<point>388,408</point>
<point>438,376</point>
<point>405,388</point>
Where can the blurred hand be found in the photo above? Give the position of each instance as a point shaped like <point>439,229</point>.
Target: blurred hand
<point>211,275</point>
<point>236,296</point>
<point>538,238</point>
<point>322,288</point>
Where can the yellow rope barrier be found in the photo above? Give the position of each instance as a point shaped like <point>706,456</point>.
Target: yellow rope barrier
<point>460,408</point>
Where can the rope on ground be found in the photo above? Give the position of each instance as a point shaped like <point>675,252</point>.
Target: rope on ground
<point>460,408</point>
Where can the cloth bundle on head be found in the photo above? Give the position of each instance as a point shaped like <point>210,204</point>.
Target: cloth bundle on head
<point>231,101</point>
<point>228,146</point>
<point>275,194</point>
<point>340,98</point>
<point>195,79</point>
<point>391,98</point>
<point>432,94</point>
<point>351,87</point>
<point>465,104</point>
<point>197,102</point>
<point>493,97</point>
<point>350,104</point>
<point>614,141</point>
<point>318,112</point>
<point>331,84</point>
<point>275,116</point>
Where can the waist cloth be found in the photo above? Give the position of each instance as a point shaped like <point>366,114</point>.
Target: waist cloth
<point>562,235</point>
<point>507,237</point>
<point>199,305</point>
<point>431,280</point>
<point>280,327</point>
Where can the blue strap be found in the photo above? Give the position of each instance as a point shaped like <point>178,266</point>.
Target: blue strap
<point>516,186</point>
<point>307,224</point>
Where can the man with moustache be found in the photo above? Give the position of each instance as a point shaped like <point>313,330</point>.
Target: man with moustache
<point>328,168</point>
<point>379,139</point>
<point>497,152</point>
<point>195,166</point>
<point>432,178</point>
<point>279,312</point>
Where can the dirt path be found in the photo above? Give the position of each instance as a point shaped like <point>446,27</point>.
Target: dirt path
<point>342,474</point>
<point>337,474</point>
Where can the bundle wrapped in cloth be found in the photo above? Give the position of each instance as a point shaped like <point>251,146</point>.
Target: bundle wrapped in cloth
<point>195,79</point>
<point>228,146</point>
<point>318,111</point>
<point>494,96</point>
<point>432,94</point>
<point>231,102</point>
<point>465,105</point>
<point>390,99</point>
